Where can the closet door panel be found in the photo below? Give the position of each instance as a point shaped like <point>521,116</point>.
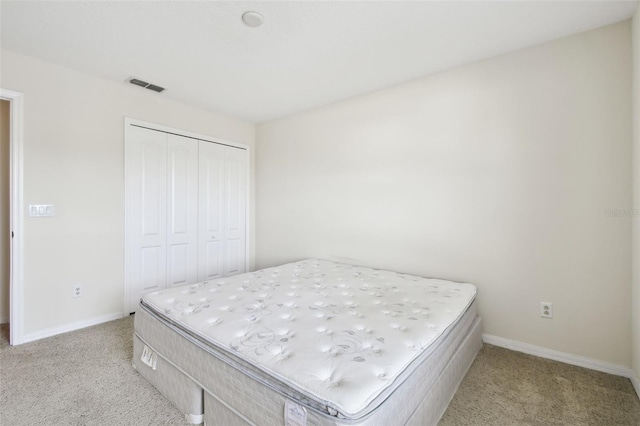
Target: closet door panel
<point>235,188</point>
<point>152,268</point>
<point>152,197</point>
<point>182,210</point>
<point>211,208</point>
<point>180,265</point>
<point>146,168</point>
<point>234,259</point>
<point>213,255</point>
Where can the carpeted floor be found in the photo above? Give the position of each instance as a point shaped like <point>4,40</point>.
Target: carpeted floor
<point>509,388</point>
<point>85,378</point>
<point>80,378</point>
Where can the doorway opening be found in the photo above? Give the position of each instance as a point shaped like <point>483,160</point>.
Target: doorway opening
<point>11,218</point>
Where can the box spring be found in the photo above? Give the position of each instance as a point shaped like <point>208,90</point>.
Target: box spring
<point>185,369</point>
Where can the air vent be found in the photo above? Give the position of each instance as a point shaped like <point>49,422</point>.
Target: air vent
<point>146,85</point>
<point>155,88</point>
<point>138,82</point>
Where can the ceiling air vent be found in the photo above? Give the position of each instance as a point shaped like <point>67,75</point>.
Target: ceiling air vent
<point>155,88</point>
<point>146,85</point>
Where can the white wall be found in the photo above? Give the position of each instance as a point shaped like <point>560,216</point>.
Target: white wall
<point>497,173</point>
<point>636,196</point>
<point>74,158</point>
<point>4,210</point>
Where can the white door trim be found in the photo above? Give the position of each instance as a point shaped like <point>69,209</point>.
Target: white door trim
<point>16,217</point>
<point>128,121</point>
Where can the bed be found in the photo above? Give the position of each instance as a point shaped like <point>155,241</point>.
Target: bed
<point>309,343</point>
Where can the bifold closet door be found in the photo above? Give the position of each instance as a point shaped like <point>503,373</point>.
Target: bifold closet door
<point>235,185</point>
<point>182,210</point>
<point>211,208</point>
<point>186,207</point>
<point>162,211</point>
<point>146,161</point>
<point>223,210</point>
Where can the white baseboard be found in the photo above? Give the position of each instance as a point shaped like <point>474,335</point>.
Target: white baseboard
<point>567,358</point>
<point>636,384</point>
<point>48,332</point>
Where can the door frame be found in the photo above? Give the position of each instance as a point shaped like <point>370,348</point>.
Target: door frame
<point>128,122</point>
<point>16,216</point>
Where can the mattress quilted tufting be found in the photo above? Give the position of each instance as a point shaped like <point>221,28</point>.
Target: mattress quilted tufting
<point>343,337</point>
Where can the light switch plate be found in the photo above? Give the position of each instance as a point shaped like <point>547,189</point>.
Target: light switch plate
<point>41,210</point>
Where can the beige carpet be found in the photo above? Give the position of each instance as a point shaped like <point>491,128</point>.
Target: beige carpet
<point>85,378</point>
<point>508,388</point>
<point>80,378</point>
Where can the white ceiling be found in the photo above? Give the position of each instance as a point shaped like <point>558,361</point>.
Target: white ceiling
<point>306,54</point>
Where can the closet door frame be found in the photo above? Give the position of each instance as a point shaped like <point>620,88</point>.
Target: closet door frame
<point>132,122</point>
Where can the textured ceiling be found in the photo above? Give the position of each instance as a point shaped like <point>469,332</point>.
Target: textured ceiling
<point>306,54</point>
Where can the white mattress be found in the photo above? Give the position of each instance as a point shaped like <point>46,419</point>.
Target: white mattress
<point>338,338</point>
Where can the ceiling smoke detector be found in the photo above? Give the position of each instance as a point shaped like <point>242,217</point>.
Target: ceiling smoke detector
<point>146,85</point>
<point>252,19</point>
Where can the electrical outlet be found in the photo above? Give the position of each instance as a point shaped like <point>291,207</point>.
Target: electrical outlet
<point>77,290</point>
<point>546,310</point>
